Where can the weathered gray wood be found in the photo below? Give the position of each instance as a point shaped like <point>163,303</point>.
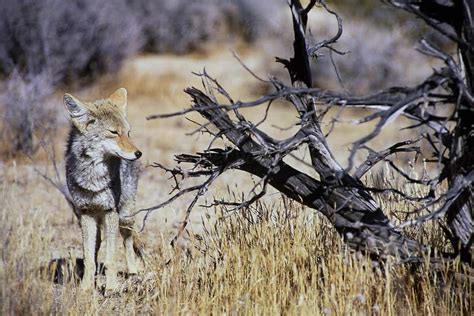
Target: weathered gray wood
<point>460,215</point>
<point>340,195</point>
<point>349,208</point>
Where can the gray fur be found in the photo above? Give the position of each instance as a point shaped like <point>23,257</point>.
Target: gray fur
<point>99,182</point>
<point>102,176</point>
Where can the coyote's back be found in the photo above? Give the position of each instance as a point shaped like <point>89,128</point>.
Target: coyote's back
<point>102,177</point>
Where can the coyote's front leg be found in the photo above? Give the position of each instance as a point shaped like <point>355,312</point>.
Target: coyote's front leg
<point>89,233</point>
<point>111,224</point>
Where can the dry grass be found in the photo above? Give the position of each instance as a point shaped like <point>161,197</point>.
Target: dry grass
<point>276,258</point>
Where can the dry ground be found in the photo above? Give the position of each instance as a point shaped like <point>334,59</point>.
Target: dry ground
<point>289,261</point>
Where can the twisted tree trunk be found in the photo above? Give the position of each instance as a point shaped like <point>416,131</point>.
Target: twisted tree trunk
<point>346,204</point>
<point>460,215</point>
<point>340,195</point>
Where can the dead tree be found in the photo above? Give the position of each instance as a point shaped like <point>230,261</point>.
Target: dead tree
<point>340,194</point>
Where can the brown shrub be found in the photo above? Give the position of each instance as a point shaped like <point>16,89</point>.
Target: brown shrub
<point>75,39</point>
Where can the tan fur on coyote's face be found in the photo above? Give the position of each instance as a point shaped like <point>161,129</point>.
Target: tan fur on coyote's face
<point>104,124</point>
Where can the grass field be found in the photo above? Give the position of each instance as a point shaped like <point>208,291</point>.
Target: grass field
<point>275,258</point>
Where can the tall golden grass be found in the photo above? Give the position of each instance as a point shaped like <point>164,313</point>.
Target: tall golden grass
<point>274,258</point>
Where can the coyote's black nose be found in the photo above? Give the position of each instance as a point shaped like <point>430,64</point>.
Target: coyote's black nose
<point>138,154</point>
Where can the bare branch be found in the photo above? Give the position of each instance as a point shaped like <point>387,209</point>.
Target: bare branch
<point>450,197</point>
<point>375,157</point>
<point>342,198</point>
<point>313,50</point>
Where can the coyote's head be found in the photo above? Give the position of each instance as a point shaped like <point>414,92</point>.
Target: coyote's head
<point>103,124</point>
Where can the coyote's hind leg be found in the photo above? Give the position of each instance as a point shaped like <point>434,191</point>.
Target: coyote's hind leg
<point>127,233</point>
<point>126,230</point>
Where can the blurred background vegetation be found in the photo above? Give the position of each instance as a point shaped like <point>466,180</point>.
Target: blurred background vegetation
<point>51,44</point>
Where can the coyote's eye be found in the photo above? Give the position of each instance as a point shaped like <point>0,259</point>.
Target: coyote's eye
<point>113,132</point>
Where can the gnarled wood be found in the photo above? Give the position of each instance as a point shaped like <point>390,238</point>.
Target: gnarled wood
<point>340,194</point>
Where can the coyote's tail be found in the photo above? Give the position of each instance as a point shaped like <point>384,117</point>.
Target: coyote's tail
<point>138,246</point>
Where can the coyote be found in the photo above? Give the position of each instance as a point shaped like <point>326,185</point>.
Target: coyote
<point>102,175</point>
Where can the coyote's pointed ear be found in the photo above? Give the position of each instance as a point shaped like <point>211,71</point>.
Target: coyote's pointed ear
<point>77,111</point>
<point>119,98</point>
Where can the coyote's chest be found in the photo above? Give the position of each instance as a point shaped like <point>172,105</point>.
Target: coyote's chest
<point>95,187</point>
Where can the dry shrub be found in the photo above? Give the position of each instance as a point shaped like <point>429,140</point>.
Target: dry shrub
<point>198,23</point>
<point>67,39</point>
<point>259,19</point>
<point>155,19</point>
<point>26,112</point>
<point>180,26</point>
